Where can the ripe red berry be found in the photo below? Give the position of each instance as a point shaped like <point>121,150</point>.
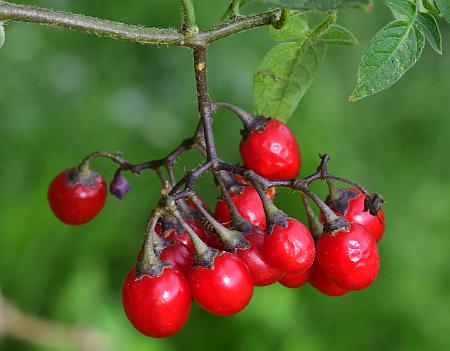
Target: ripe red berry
<point>295,279</point>
<point>349,258</point>
<point>272,152</point>
<point>271,192</point>
<point>263,273</point>
<point>322,283</point>
<point>224,289</point>
<point>178,255</point>
<point>209,238</point>
<point>290,249</point>
<point>249,205</point>
<point>157,306</point>
<point>351,206</point>
<point>75,198</point>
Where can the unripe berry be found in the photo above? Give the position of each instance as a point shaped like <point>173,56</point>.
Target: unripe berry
<point>119,187</point>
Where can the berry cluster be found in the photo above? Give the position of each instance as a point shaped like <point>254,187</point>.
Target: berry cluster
<point>216,258</point>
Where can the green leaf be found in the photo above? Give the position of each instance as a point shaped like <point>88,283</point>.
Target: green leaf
<point>391,52</point>
<point>284,76</point>
<point>428,25</point>
<point>321,5</point>
<point>338,35</point>
<point>295,28</point>
<point>444,7</point>
<point>402,9</point>
<point>2,34</point>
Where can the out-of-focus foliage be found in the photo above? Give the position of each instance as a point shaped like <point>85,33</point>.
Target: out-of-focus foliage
<point>65,94</point>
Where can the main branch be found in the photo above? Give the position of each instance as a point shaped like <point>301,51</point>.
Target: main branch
<point>133,33</point>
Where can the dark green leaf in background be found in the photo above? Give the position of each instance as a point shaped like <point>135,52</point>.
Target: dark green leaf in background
<point>444,7</point>
<point>321,5</point>
<point>284,76</point>
<point>338,35</point>
<point>391,52</point>
<point>429,27</point>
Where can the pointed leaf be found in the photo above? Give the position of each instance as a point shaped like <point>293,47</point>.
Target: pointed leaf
<point>444,7</point>
<point>402,9</point>
<point>391,52</point>
<point>284,76</point>
<point>295,28</point>
<point>321,5</point>
<point>428,25</point>
<point>338,35</point>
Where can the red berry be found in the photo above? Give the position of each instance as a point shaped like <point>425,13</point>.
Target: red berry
<point>295,279</point>
<point>271,192</point>
<point>249,205</point>
<point>349,258</point>
<point>178,255</point>
<point>157,306</point>
<point>353,211</point>
<point>272,152</point>
<point>322,283</point>
<point>76,198</point>
<point>209,238</point>
<point>263,273</point>
<point>224,289</point>
<point>290,249</point>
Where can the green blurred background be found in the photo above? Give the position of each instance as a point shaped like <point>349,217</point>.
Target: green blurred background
<point>64,94</point>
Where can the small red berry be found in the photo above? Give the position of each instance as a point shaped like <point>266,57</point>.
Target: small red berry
<point>249,205</point>
<point>291,249</point>
<point>272,152</point>
<point>178,255</point>
<point>352,208</point>
<point>157,306</point>
<point>322,283</point>
<point>75,198</point>
<point>271,192</point>
<point>295,279</point>
<point>209,238</point>
<point>224,289</point>
<point>263,273</point>
<point>349,258</point>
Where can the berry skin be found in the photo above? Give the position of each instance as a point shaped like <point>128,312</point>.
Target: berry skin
<point>352,208</point>
<point>295,280</point>
<point>249,205</point>
<point>322,283</point>
<point>76,198</point>
<point>157,306</point>
<point>209,238</point>
<point>119,187</point>
<point>272,152</point>
<point>349,258</point>
<point>178,255</point>
<point>224,289</point>
<point>263,273</point>
<point>291,249</point>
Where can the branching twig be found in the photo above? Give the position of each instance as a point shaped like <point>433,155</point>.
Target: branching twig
<point>133,33</point>
<point>46,333</point>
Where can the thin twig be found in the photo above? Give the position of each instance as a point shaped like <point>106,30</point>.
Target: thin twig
<point>46,333</point>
